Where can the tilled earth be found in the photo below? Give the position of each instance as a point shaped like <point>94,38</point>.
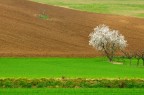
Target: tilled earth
<point>64,34</point>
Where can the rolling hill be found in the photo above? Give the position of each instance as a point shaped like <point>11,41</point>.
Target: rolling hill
<point>63,34</point>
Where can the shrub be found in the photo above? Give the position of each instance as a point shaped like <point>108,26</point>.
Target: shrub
<point>71,83</point>
<point>43,16</point>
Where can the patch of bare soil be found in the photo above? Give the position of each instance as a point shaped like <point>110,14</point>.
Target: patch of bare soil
<point>118,63</point>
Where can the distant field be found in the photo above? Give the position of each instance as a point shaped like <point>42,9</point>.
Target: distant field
<point>120,7</point>
<point>98,91</point>
<point>67,67</point>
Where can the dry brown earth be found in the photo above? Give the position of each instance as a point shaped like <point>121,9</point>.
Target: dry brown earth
<point>64,34</point>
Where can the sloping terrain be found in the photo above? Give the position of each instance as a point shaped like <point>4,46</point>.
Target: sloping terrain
<point>64,34</point>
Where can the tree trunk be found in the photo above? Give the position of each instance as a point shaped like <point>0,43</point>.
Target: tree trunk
<point>110,59</point>
<point>130,61</point>
<point>138,62</point>
<point>108,56</point>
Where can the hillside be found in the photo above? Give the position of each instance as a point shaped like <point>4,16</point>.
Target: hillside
<point>64,34</point>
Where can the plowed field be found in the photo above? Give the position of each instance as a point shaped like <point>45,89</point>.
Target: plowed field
<point>63,34</point>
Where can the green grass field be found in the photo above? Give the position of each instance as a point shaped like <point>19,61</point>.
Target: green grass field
<point>98,91</point>
<point>67,67</point>
<point>133,8</point>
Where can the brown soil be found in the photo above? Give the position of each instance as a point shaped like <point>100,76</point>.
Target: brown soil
<point>117,63</point>
<point>64,34</point>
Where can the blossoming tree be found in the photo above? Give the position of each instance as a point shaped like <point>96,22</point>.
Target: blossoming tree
<point>107,40</point>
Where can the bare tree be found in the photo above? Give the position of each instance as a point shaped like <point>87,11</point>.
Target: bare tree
<point>140,55</point>
<point>128,55</point>
<point>107,40</point>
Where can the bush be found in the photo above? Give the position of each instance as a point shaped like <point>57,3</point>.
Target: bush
<point>71,83</point>
<point>43,16</point>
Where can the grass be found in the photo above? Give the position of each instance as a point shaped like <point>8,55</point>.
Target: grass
<point>43,16</point>
<point>67,67</point>
<point>133,8</point>
<point>98,91</point>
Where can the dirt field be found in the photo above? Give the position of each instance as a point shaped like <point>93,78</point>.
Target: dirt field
<point>64,34</point>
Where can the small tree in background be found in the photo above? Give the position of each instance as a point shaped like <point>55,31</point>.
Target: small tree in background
<point>107,40</point>
<point>139,55</point>
<point>128,55</point>
<point>142,57</point>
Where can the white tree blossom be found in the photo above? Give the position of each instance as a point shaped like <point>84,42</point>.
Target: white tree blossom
<point>107,40</point>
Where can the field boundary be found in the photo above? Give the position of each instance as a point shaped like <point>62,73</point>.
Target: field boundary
<point>70,83</point>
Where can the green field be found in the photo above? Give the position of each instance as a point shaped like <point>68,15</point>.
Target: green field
<point>98,91</point>
<point>133,8</point>
<point>67,67</point>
